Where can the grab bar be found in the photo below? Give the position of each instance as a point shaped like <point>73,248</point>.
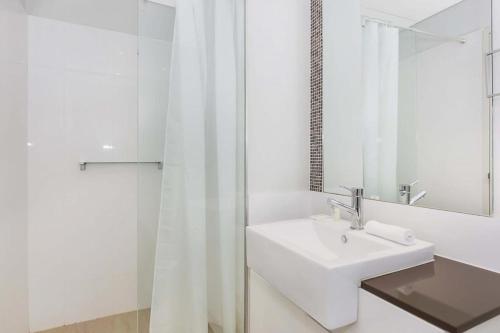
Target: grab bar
<point>83,165</point>
<point>493,94</point>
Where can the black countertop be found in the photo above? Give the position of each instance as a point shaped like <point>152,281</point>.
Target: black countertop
<point>450,295</point>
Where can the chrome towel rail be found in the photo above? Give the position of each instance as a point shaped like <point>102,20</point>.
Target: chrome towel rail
<point>493,94</point>
<point>83,165</point>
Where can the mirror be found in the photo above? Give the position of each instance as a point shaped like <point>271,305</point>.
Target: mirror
<point>406,107</point>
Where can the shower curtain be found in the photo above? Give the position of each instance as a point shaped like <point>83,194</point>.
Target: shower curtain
<point>199,264</point>
<point>380,97</point>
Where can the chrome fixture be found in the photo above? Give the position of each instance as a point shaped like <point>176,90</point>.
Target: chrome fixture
<point>355,209</point>
<point>405,194</point>
<point>83,165</point>
<point>416,198</point>
<point>491,93</point>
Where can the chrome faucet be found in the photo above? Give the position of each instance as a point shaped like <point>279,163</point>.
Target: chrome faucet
<point>405,194</point>
<point>355,209</point>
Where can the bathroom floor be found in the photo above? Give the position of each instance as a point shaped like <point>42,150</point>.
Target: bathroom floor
<point>122,323</point>
<point>130,322</point>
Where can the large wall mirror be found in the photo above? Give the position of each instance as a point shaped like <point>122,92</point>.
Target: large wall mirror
<point>406,101</point>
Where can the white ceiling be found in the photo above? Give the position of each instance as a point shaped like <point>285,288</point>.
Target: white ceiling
<point>117,15</point>
<point>408,11</point>
<point>156,20</point>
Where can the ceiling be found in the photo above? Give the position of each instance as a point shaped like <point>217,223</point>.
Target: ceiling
<point>117,15</point>
<point>153,18</point>
<point>407,12</point>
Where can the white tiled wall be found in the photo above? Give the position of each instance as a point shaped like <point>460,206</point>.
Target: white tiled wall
<point>278,66</point>
<point>83,106</point>
<point>13,187</point>
<point>82,225</point>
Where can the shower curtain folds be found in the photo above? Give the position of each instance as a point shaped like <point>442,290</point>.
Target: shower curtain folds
<point>380,109</point>
<point>199,262</point>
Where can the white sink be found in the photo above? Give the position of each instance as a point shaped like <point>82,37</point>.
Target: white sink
<point>308,262</point>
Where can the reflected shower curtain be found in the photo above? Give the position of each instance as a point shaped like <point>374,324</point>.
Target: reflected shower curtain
<point>199,279</point>
<point>380,114</point>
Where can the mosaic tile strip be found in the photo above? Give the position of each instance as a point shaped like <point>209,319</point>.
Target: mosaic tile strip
<point>316,121</point>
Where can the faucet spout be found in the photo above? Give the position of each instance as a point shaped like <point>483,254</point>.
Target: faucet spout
<point>418,197</point>
<point>335,203</point>
<point>355,209</point>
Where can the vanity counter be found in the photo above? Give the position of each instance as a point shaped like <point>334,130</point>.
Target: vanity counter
<point>450,295</point>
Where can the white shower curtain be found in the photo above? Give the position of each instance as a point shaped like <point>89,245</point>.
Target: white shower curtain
<point>199,260</point>
<point>380,100</point>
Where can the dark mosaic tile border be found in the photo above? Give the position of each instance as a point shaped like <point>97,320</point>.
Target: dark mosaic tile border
<point>316,121</point>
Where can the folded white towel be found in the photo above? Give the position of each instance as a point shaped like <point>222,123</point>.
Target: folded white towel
<point>391,232</point>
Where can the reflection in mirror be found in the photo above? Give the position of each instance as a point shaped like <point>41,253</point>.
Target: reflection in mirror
<point>342,106</point>
<point>425,118</point>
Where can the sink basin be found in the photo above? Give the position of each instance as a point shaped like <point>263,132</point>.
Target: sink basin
<point>312,264</point>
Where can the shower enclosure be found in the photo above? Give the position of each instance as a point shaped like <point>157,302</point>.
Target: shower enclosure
<point>122,199</point>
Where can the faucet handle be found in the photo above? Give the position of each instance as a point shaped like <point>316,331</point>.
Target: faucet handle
<point>407,187</point>
<point>414,183</point>
<point>355,191</point>
<point>410,184</point>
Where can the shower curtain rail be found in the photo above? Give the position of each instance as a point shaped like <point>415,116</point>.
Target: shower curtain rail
<point>83,165</point>
<point>430,34</point>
